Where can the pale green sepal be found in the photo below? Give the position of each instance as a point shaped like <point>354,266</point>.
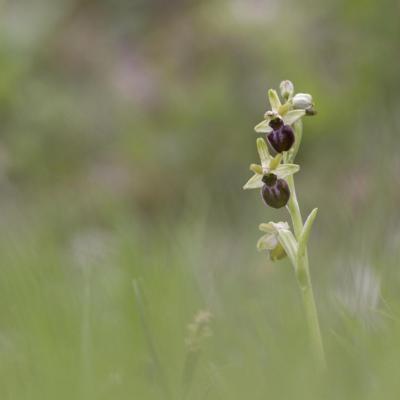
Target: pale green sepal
<point>305,234</point>
<point>263,152</point>
<point>255,182</point>
<point>289,243</point>
<point>263,127</point>
<point>274,100</point>
<point>292,116</point>
<point>268,228</point>
<point>273,227</point>
<point>298,134</point>
<point>284,170</point>
<point>285,108</point>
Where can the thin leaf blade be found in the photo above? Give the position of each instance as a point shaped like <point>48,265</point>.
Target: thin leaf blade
<point>305,234</point>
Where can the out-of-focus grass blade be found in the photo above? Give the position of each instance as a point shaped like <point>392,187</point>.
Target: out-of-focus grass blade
<point>161,378</point>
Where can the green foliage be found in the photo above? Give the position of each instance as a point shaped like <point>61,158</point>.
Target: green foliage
<point>114,167</point>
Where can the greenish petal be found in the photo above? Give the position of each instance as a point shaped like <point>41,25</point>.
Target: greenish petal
<point>275,161</point>
<point>267,242</point>
<point>257,169</point>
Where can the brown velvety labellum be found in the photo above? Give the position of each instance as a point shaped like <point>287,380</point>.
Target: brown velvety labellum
<point>281,139</point>
<point>276,195</point>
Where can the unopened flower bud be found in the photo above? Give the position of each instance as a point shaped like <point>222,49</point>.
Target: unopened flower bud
<point>275,192</point>
<point>281,139</point>
<point>287,89</point>
<point>303,101</point>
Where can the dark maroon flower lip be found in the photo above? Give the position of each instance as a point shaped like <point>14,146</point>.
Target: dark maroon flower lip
<point>275,192</point>
<point>281,139</point>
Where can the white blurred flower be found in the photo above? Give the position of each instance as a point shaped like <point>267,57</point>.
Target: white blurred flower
<point>359,292</point>
<point>91,247</point>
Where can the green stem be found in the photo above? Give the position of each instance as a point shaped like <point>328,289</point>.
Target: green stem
<point>304,279</point>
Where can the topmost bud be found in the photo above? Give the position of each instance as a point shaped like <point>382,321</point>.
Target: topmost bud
<point>287,89</point>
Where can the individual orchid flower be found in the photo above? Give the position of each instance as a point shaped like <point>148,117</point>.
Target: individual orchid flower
<point>270,240</point>
<point>279,111</point>
<point>269,177</point>
<point>278,121</point>
<point>279,241</point>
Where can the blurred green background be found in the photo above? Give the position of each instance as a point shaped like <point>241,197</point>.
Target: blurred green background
<point>126,135</point>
